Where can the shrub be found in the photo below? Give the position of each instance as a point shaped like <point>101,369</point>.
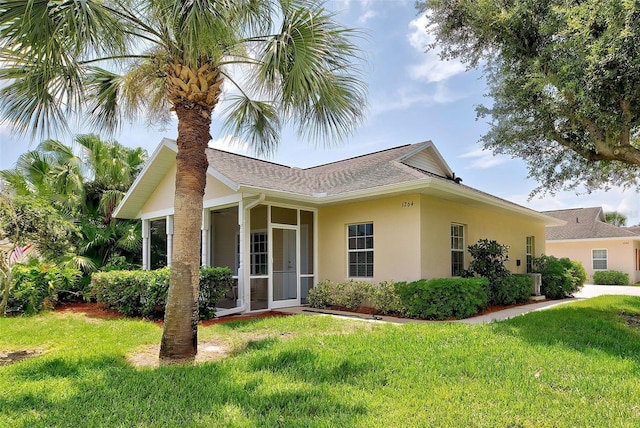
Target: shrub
<point>488,259</point>
<point>513,289</point>
<point>444,298</point>
<point>144,293</point>
<point>352,294</point>
<point>35,286</point>
<point>610,277</point>
<point>385,299</point>
<point>320,296</point>
<point>560,277</point>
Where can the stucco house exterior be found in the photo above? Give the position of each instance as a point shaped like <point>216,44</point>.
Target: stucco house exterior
<point>398,214</point>
<point>598,245</point>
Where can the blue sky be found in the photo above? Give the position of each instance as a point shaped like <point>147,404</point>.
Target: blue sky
<point>413,97</point>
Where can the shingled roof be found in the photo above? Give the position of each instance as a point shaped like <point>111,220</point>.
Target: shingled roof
<point>585,223</point>
<point>400,170</point>
<point>383,168</point>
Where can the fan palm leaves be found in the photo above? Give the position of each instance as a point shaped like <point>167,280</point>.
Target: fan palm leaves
<point>275,62</point>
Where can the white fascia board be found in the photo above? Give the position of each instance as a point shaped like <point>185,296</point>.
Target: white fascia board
<point>156,214</point>
<point>428,145</point>
<point>165,143</point>
<point>223,179</point>
<point>584,240</point>
<point>224,200</point>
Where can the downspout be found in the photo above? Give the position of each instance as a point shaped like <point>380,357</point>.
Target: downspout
<point>241,269</point>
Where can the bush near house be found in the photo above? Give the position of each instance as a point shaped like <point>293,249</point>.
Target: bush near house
<point>488,259</point>
<point>610,277</point>
<point>444,298</point>
<point>37,286</point>
<point>353,294</point>
<point>144,293</point>
<point>513,289</point>
<point>560,277</point>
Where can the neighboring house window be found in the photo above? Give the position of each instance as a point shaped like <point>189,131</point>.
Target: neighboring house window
<point>530,251</point>
<point>457,249</point>
<point>599,258</point>
<point>259,254</point>
<point>360,250</point>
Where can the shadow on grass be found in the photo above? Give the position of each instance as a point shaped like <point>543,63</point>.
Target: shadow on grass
<point>99,392</point>
<point>589,325</point>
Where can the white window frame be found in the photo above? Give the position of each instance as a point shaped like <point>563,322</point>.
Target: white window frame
<point>594,259</point>
<point>457,248</point>
<point>254,255</point>
<point>361,250</point>
<point>530,248</point>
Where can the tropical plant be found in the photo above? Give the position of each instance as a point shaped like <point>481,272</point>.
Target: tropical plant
<point>296,65</point>
<point>564,78</point>
<point>488,259</point>
<point>615,218</point>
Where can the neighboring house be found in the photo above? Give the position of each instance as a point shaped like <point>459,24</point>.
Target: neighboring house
<point>598,245</point>
<point>398,214</point>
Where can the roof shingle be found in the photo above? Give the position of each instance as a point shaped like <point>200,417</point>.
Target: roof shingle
<point>584,223</point>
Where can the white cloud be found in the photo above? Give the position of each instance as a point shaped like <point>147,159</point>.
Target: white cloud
<point>431,68</point>
<point>367,15</point>
<point>483,159</point>
<point>407,97</point>
<point>230,143</point>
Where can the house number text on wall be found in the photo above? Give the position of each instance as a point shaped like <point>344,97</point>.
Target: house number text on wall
<point>407,204</point>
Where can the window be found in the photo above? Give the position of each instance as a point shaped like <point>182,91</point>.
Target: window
<point>599,258</point>
<point>530,251</point>
<point>457,249</point>
<point>360,250</point>
<point>259,254</point>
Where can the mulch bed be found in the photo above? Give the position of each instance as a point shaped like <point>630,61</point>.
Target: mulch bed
<point>98,310</point>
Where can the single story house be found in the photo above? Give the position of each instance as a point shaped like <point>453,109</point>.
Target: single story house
<point>398,214</point>
<point>598,245</point>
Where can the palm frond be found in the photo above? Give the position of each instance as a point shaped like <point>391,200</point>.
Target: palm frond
<point>255,121</point>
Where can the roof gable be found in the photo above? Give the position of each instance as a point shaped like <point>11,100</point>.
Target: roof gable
<point>427,158</point>
<point>585,224</point>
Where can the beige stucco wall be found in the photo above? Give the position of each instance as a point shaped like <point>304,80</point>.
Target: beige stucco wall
<point>162,197</point>
<point>396,235</point>
<point>620,254</point>
<point>505,228</point>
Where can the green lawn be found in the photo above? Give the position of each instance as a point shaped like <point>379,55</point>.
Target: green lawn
<point>320,371</point>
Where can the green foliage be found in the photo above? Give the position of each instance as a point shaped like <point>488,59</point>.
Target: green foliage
<point>444,298</point>
<point>144,292</point>
<point>351,294</point>
<point>37,286</point>
<point>610,277</point>
<point>488,262</point>
<point>320,296</point>
<point>34,220</point>
<point>563,78</point>
<point>560,277</point>
<point>513,289</point>
<point>385,299</point>
<point>615,218</point>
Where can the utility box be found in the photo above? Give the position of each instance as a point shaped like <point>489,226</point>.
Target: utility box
<point>537,282</point>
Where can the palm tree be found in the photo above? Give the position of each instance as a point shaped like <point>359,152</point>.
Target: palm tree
<point>85,187</point>
<point>295,63</point>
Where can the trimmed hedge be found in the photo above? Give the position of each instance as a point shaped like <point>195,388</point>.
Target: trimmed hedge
<point>444,298</point>
<point>144,293</point>
<point>513,289</point>
<point>610,277</point>
<point>560,277</point>
<point>355,294</point>
<point>36,286</point>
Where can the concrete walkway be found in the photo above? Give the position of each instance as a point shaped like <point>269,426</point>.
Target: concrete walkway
<point>587,292</point>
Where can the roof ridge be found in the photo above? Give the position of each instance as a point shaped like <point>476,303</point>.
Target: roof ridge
<point>252,158</point>
<point>359,156</point>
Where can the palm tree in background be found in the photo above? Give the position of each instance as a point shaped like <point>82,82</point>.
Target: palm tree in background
<point>85,186</point>
<point>281,61</point>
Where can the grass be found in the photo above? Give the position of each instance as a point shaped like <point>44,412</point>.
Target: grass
<point>315,371</point>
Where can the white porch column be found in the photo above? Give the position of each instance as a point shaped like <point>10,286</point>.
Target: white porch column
<point>241,257</point>
<point>206,238</point>
<point>146,227</point>
<point>169,239</point>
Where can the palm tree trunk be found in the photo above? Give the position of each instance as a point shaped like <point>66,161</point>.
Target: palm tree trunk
<point>180,332</point>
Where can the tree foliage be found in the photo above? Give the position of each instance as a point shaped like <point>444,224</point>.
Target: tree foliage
<point>564,78</point>
<point>616,218</point>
